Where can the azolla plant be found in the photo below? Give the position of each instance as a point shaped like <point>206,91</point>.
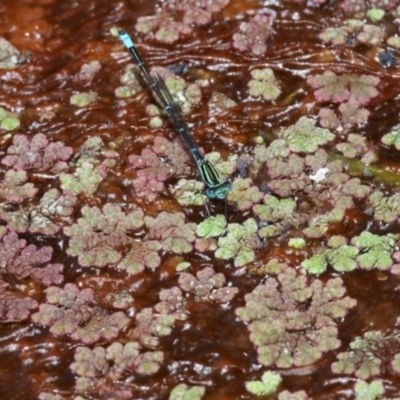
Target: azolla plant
<point>120,278</point>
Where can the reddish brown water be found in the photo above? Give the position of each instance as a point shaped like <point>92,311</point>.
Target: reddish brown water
<point>213,349</point>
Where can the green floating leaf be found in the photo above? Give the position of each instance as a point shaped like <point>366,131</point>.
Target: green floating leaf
<point>239,243</point>
<point>264,84</point>
<point>297,243</point>
<point>185,392</point>
<point>376,251</point>
<point>212,227</point>
<point>267,385</point>
<point>369,391</point>
<point>304,136</point>
<point>316,264</point>
<point>83,99</point>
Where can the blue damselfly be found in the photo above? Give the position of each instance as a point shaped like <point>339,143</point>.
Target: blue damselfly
<point>216,187</point>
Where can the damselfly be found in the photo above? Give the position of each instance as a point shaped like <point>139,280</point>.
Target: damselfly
<point>216,187</point>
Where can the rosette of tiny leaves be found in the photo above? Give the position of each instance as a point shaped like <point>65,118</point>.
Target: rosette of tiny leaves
<point>14,307</point>
<point>252,35</point>
<point>292,166</point>
<point>8,120</point>
<point>157,164</point>
<point>186,95</point>
<point>341,88</point>
<point>277,213</point>
<point>99,368</point>
<point>46,218</point>
<point>350,113</point>
<point>172,302</point>
<point>10,57</point>
<point>219,103</point>
<point>70,311</point>
<point>189,192</point>
<point>168,28</point>
<point>386,209</point>
<point>50,396</point>
<point>355,145</point>
<point>375,251</point>
<point>156,322</point>
<point>23,261</point>
<point>272,267</point>
<point>304,136</point>
<point>99,235</point>
<point>393,137</point>
<point>364,357</point>
<point>207,285</point>
<point>141,255</point>
<point>264,84</point>
<point>89,170</point>
<point>369,391</point>
<point>185,392</point>
<point>87,72</point>
<point>37,154</point>
<point>83,99</point>
<point>212,227</point>
<point>285,332</point>
<point>151,325</point>
<point>299,395</point>
<point>244,194</point>
<point>171,231</point>
<point>14,187</point>
<point>341,256</point>
<point>239,243</point>
<point>86,178</point>
<point>288,176</point>
<point>267,385</point>
<point>130,85</point>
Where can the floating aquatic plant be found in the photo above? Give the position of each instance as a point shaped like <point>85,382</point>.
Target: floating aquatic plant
<point>264,84</point>
<point>10,57</point>
<point>351,31</point>
<point>141,255</point>
<point>304,136</point>
<point>186,95</point>
<point>15,189</point>
<point>168,28</point>
<point>239,243</point>
<point>244,193</point>
<point>171,231</point>
<point>156,165</point>
<point>37,154</point>
<point>14,306</point>
<point>185,392</point>
<point>364,357</point>
<point>346,87</point>
<point>299,395</point>
<point>103,368</point>
<point>253,35</point>
<point>47,217</point>
<point>267,385</point>
<point>71,311</point>
<point>130,83</point>
<point>369,391</point>
<point>87,71</point>
<point>207,285</point>
<point>98,236</point>
<point>287,333</point>
<point>393,137</point>
<point>83,99</point>
<point>8,121</point>
<point>277,213</point>
<point>22,260</point>
<point>156,322</point>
